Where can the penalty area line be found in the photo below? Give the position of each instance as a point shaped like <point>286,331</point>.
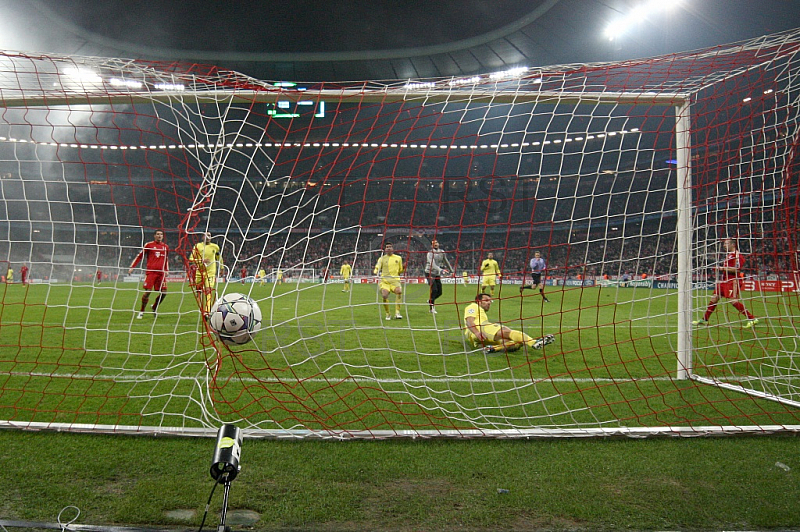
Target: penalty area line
<point>360,379</point>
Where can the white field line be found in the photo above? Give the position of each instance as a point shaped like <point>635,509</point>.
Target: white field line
<point>144,326</point>
<point>160,377</point>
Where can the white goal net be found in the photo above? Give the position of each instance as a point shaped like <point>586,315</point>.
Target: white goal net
<point>629,181</point>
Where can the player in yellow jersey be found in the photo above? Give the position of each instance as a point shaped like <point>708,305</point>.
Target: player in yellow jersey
<point>464,278</point>
<point>346,271</point>
<point>490,272</point>
<point>205,258</point>
<point>390,267</point>
<point>494,337</point>
<point>262,276</point>
<point>278,276</point>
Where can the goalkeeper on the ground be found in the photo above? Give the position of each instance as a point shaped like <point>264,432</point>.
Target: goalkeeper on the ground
<point>390,267</point>
<point>205,258</point>
<point>493,337</point>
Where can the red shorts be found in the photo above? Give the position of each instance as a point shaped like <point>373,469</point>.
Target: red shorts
<point>155,281</point>
<point>729,289</point>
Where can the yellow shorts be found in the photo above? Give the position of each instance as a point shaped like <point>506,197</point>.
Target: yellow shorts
<point>489,281</point>
<point>489,330</point>
<point>384,285</point>
<point>205,278</point>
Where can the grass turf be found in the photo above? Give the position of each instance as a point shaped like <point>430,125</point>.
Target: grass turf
<point>325,360</point>
<point>596,484</point>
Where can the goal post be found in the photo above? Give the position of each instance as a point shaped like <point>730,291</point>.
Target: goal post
<point>624,178</point>
<point>683,190</point>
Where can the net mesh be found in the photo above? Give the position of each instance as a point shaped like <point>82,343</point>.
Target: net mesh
<point>580,163</point>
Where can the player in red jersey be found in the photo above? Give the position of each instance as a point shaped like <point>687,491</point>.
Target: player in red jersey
<point>729,285</point>
<point>243,274</point>
<point>23,273</point>
<point>155,254</point>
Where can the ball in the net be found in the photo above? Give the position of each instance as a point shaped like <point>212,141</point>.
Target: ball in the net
<point>236,318</point>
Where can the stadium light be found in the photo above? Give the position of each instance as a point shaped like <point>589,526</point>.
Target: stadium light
<point>507,74</point>
<point>316,144</point>
<point>419,85</point>
<point>82,75</point>
<point>637,15</point>
<point>177,87</point>
<point>126,83</point>
<point>457,82</point>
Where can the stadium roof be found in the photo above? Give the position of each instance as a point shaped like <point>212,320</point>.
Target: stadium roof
<point>311,40</point>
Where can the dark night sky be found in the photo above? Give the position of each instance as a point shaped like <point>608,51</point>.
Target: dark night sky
<point>330,39</point>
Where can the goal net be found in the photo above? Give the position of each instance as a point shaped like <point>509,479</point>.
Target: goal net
<point>295,275</point>
<point>648,188</point>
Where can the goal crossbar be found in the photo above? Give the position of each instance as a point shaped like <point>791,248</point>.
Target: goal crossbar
<point>271,96</point>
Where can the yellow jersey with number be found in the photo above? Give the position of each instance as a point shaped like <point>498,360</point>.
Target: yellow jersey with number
<point>205,256</point>
<point>389,267</point>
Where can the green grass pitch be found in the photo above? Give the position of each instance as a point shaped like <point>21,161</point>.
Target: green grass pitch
<point>327,360</point>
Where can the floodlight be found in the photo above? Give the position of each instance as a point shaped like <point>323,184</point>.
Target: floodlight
<point>637,15</point>
<point>82,74</point>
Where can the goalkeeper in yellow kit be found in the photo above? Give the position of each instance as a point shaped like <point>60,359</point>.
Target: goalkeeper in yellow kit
<point>205,257</point>
<point>390,267</point>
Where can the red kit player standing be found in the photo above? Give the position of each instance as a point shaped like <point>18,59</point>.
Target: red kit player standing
<point>729,285</point>
<point>155,254</point>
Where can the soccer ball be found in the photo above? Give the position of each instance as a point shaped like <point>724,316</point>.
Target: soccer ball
<point>235,318</point>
